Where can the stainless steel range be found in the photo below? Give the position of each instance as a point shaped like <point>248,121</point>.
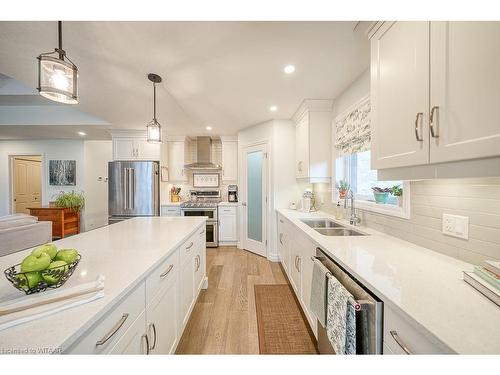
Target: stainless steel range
<point>205,203</point>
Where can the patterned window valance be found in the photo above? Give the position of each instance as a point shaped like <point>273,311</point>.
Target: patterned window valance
<point>352,129</point>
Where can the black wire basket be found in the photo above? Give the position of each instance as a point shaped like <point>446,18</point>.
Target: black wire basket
<point>22,282</point>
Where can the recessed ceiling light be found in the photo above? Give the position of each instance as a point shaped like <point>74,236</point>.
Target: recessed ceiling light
<point>273,108</point>
<point>289,69</point>
<point>208,128</point>
<point>82,133</point>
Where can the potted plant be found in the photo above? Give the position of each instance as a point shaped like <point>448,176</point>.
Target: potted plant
<point>397,191</point>
<point>70,199</point>
<point>343,188</point>
<point>174,194</point>
<point>381,194</point>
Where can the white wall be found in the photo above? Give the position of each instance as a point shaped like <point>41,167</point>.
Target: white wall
<point>352,94</point>
<point>49,150</point>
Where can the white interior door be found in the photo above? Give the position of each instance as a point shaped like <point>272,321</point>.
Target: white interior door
<point>27,183</point>
<point>254,202</point>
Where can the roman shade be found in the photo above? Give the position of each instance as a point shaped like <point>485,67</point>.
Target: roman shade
<point>352,129</point>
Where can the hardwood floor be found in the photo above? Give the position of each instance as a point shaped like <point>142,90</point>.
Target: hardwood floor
<point>224,319</point>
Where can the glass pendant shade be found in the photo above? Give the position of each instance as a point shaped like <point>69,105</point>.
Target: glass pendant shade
<point>57,79</point>
<point>154,131</point>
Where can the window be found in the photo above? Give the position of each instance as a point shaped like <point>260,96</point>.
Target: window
<point>355,169</point>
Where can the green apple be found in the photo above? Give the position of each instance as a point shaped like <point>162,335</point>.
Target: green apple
<point>34,263</point>
<point>48,248</point>
<point>29,279</point>
<point>67,255</point>
<point>56,269</point>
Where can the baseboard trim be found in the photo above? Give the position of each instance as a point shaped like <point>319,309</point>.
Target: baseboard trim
<point>273,257</point>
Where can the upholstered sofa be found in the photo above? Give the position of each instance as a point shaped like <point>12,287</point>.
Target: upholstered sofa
<point>21,231</point>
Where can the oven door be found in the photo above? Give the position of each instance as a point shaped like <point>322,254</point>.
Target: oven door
<point>212,235</point>
<point>208,212</point>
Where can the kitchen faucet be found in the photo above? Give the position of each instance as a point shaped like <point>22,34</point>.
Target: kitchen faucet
<point>353,220</point>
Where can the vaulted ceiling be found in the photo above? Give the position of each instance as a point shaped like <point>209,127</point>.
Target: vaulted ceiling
<point>222,74</point>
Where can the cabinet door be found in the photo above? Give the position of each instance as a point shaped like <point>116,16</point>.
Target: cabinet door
<point>302,147</point>
<point>186,287</point>
<point>134,340</point>
<point>176,170</point>
<point>162,319</point>
<point>400,95</point>
<point>199,268</point>
<point>229,161</point>
<point>465,90</point>
<point>124,149</point>
<point>306,269</point>
<point>294,272</point>
<point>170,211</point>
<point>146,150</point>
<point>282,243</point>
<point>227,228</point>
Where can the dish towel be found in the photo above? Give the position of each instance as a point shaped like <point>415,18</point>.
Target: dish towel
<point>340,318</point>
<point>35,306</point>
<point>318,291</point>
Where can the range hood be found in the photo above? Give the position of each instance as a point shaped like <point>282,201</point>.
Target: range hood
<point>203,155</point>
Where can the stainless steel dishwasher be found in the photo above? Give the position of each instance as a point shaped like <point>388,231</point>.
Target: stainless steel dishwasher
<point>369,310</point>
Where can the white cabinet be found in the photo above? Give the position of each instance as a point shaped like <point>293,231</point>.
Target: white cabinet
<point>400,94</point>
<point>135,148</point>
<point>434,93</point>
<point>283,242</point>
<point>134,340</point>
<point>306,270</point>
<point>178,152</point>
<point>228,225</point>
<point>161,314</point>
<point>313,140</point>
<point>186,286</point>
<point>199,266</point>
<point>170,210</point>
<point>465,90</point>
<point>229,161</point>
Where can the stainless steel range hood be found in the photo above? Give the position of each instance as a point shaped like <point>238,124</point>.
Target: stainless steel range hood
<point>203,155</point>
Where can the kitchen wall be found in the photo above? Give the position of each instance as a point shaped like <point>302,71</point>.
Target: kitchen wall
<point>478,198</point>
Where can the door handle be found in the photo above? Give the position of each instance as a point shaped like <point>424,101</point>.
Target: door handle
<point>434,134</point>
<point>244,204</point>
<point>417,135</point>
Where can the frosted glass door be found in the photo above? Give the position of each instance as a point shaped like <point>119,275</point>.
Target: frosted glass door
<point>254,191</point>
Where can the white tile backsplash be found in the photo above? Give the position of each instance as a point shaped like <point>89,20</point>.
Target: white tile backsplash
<point>477,198</point>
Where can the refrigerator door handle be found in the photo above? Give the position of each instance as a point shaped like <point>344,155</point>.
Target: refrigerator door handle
<point>125,188</point>
<point>132,188</point>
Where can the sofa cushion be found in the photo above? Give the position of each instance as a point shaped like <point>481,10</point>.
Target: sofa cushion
<point>18,221</point>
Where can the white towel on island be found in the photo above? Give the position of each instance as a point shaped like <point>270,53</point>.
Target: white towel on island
<point>71,297</point>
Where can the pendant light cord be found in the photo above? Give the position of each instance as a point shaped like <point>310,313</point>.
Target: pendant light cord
<point>154,101</point>
<point>59,34</point>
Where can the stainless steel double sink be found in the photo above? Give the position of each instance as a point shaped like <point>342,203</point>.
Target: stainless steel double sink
<point>328,227</point>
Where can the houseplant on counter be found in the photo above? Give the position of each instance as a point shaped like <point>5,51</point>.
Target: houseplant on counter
<point>381,194</point>
<point>70,199</point>
<point>343,188</point>
<point>397,191</point>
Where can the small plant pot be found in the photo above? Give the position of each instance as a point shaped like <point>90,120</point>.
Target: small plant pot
<point>400,201</point>
<point>175,198</point>
<point>342,194</point>
<point>380,198</point>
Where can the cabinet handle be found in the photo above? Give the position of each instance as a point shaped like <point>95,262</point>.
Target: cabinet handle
<point>167,271</point>
<point>190,246</point>
<point>296,263</point>
<point>203,231</point>
<point>299,166</point>
<point>417,136</point>
<point>152,325</point>
<point>281,221</point>
<point>299,264</point>
<point>396,338</point>
<point>281,238</point>
<point>115,329</point>
<point>145,337</point>
<point>431,121</point>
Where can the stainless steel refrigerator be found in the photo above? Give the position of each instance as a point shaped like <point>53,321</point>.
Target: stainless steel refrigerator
<point>133,189</point>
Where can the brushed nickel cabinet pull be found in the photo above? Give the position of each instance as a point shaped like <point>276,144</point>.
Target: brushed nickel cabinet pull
<point>396,338</point>
<point>152,325</point>
<point>434,134</point>
<point>417,136</point>
<point>299,264</point>
<point>115,329</point>
<point>167,271</point>
<point>190,246</point>
<point>145,337</point>
<point>281,238</point>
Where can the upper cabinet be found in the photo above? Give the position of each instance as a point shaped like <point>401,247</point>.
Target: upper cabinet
<point>229,159</point>
<point>178,154</point>
<point>312,141</point>
<point>435,89</point>
<point>133,145</point>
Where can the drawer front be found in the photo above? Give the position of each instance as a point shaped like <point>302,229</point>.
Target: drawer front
<point>227,210</point>
<point>188,248</point>
<point>170,211</point>
<point>402,337</point>
<point>161,275</point>
<point>103,336</point>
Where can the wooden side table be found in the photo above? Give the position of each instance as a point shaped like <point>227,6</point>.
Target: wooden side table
<point>65,221</point>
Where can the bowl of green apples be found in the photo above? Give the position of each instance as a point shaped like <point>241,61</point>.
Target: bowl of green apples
<point>45,268</point>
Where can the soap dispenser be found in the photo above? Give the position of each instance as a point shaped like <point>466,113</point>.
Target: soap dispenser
<point>339,212</point>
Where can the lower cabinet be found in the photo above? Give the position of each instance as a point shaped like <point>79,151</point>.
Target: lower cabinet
<point>186,287</point>
<point>134,340</point>
<point>228,225</point>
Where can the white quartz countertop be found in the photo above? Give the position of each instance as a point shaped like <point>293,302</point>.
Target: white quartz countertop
<point>124,253</point>
<point>424,284</point>
<point>176,204</point>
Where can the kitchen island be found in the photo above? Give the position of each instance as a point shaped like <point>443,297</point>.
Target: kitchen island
<point>154,269</point>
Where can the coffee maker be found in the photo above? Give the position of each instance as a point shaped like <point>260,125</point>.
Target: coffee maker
<point>232,193</point>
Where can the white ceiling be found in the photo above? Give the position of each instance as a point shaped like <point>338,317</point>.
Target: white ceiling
<point>223,74</point>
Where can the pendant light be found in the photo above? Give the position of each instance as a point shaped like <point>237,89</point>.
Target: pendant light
<point>154,127</point>
<point>57,75</point>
